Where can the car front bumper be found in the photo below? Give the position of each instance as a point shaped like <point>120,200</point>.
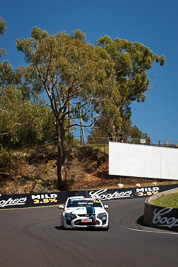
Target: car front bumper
<point>86,222</point>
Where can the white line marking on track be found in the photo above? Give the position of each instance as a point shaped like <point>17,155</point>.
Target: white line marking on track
<point>146,231</point>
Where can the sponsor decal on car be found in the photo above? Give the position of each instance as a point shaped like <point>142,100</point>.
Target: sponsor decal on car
<point>76,198</point>
<point>86,220</point>
<point>89,198</point>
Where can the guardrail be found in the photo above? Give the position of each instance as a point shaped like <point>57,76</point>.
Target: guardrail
<point>161,217</point>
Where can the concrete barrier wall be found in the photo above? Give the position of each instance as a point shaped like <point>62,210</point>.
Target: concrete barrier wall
<point>161,217</point>
<point>143,161</point>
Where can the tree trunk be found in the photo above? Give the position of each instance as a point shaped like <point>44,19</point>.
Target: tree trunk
<point>61,155</point>
<point>60,182</point>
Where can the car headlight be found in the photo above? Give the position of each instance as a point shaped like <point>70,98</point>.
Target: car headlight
<point>102,216</point>
<point>70,216</point>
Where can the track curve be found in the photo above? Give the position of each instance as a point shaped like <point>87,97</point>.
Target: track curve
<point>33,237</point>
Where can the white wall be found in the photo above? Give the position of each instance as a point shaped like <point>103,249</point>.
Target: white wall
<point>143,161</point>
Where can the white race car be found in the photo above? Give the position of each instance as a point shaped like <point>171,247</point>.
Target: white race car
<point>84,212</point>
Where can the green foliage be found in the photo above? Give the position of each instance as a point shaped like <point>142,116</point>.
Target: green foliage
<point>69,70</point>
<point>83,83</point>
<point>8,75</point>
<point>129,132</point>
<point>9,162</point>
<point>78,34</point>
<point>79,82</point>
<point>21,122</point>
<point>3,27</point>
<point>132,60</point>
<point>48,166</point>
<point>132,132</point>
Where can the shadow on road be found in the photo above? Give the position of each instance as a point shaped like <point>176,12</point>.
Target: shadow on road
<point>59,228</point>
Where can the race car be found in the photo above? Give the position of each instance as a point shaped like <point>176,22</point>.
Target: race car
<point>80,212</point>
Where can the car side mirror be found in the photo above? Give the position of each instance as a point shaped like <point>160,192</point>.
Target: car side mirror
<point>106,206</point>
<point>61,207</point>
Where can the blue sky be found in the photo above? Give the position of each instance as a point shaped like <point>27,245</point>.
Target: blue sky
<point>153,23</point>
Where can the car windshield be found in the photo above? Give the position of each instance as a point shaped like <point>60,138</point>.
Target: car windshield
<point>83,203</point>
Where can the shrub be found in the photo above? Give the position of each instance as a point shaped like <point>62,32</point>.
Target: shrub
<point>8,162</point>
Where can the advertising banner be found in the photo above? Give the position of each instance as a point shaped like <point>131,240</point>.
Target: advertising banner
<point>55,198</point>
<point>143,161</point>
<point>161,217</point>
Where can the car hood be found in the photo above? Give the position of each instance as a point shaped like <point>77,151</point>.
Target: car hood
<point>84,210</point>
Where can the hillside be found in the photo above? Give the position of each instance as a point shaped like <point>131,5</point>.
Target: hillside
<point>87,168</point>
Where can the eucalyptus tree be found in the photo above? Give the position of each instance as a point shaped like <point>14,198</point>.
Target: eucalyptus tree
<point>7,73</point>
<point>132,61</point>
<point>73,74</point>
<point>6,70</point>
<point>3,29</point>
<point>22,118</point>
<point>21,122</point>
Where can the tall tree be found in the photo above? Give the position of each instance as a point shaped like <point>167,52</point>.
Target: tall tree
<point>7,74</point>
<point>132,60</point>
<point>3,29</point>
<point>72,73</point>
<point>21,122</point>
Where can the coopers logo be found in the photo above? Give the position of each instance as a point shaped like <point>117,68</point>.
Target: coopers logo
<point>13,202</point>
<point>44,198</point>
<point>163,219</point>
<point>104,195</point>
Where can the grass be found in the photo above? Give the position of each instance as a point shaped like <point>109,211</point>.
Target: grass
<point>170,200</point>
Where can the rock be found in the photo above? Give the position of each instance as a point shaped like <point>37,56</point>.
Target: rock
<point>120,185</point>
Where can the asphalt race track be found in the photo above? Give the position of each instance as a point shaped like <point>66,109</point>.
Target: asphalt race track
<point>33,237</point>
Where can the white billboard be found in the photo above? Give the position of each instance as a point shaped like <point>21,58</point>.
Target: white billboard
<point>143,161</point>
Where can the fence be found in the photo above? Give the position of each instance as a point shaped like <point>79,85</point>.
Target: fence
<point>103,141</point>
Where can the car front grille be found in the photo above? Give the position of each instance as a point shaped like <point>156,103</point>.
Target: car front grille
<point>79,222</point>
